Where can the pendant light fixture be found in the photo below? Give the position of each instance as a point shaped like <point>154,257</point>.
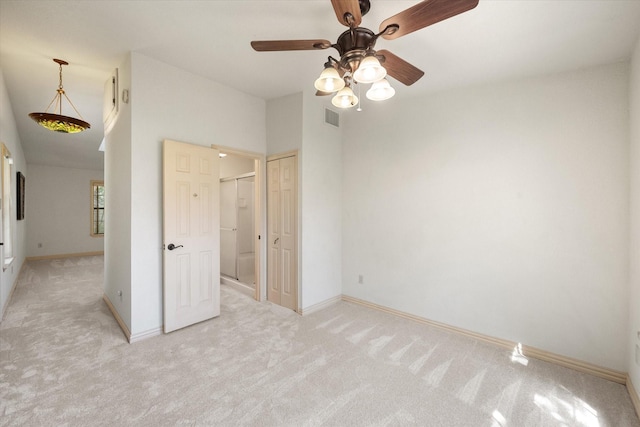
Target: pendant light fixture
<point>58,122</point>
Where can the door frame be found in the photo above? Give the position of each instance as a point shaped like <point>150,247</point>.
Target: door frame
<point>260,292</point>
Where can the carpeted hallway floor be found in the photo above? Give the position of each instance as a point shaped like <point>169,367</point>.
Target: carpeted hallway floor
<point>65,362</point>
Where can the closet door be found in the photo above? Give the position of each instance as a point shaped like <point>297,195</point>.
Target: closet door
<point>282,280</point>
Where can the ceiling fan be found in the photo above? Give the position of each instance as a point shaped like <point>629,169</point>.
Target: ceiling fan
<point>358,60</point>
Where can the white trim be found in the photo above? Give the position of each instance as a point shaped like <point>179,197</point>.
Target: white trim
<point>292,153</point>
<point>79,254</point>
<point>7,262</point>
<point>320,306</point>
<point>567,362</point>
<point>13,288</point>
<point>131,338</point>
<point>116,315</point>
<point>635,398</point>
<point>146,334</point>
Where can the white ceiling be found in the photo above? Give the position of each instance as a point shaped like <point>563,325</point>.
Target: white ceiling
<point>496,40</point>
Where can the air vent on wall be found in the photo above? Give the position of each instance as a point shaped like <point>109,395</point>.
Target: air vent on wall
<point>331,117</point>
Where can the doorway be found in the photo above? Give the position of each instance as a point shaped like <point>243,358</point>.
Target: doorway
<point>237,228</point>
<point>242,219</point>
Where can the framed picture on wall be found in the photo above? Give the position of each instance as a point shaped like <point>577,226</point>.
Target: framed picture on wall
<point>20,196</point>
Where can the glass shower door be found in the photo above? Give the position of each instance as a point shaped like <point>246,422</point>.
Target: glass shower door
<point>245,265</point>
<point>228,228</point>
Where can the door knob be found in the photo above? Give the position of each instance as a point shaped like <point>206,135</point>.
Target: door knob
<point>172,246</point>
<point>276,241</point>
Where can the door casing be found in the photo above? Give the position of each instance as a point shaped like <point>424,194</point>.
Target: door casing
<point>260,216</point>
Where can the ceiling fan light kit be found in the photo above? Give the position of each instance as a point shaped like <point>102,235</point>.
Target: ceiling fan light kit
<point>359,61</point>
<point>345,98</point>
<point>58,122</point>
<point>329,80</point>
<point>380,91</point>
<point>369,70</point>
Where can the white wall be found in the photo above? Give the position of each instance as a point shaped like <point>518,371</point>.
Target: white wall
<point>9,136</point>
<point>233,165</point>
<point>284,124</point>
<point>501,209</point>
<point>58,211</point>
<point>117,179</point>
<point>296,122</point>
<point>634,300</point>
<point>320,205</point>
<point>169,103</point>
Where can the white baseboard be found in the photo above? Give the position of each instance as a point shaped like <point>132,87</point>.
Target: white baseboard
<point>116,315</point>
<point>144,335</point>
<point>13,288</point>
<point>567,362</point>
<point>131,338</point>
<point>319,306</point>
<point>635,398</point>
<point>57,256</point>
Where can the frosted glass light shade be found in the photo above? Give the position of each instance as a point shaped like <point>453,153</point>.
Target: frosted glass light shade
<point>369,70</point>
<point>380,91</point>
<point>345,98</point>
<point>329,80</point>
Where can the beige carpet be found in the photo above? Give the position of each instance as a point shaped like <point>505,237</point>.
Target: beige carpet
<point>64,362</point>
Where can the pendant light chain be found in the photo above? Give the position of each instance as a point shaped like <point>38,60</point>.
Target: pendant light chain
<point>62,92</point>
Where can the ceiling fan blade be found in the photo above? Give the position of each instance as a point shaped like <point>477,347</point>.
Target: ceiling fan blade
<point>344,8</point>
<point>278,45</point>
<point>424,14</point>
<point>321,93</point>
<point>399,69</point>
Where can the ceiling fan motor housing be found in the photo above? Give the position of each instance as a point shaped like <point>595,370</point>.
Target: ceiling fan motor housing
<point>352,45</point>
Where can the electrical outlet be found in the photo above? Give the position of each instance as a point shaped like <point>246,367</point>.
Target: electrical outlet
<point>361,279</point>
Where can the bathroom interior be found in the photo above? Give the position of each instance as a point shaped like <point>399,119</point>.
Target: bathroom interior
<point>237,222</point>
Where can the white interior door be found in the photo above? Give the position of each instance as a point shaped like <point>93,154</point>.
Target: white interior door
<point>191,253</point>
<point>274,272</point>
<point>282,280</point>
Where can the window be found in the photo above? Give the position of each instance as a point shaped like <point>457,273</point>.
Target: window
<point>97,208</point>
<point>6,206</point>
